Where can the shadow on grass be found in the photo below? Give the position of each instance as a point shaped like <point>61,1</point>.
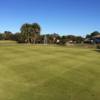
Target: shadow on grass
<point>97,50</point>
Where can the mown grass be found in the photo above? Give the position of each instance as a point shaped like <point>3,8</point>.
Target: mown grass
<point>49,73</point>
<point>7,41</point>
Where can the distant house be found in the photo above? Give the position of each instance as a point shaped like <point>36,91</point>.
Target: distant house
<point>87,40</point>
<point>92,40</point>
<point>96,39</point>
<point>70,43</point>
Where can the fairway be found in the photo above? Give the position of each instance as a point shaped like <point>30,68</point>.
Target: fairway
<point>49,73</point>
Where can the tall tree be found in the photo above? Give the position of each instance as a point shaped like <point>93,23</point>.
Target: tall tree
<point>25,32</point>
<point>30,32</point>
<point>36,29</point>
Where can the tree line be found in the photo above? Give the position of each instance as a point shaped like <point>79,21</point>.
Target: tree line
<point>30,33</point>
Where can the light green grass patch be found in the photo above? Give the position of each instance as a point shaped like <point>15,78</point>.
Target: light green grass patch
<point>49,73</point>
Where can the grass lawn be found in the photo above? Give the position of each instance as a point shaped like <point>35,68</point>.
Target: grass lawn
<point>49,73</point>
<point>6,42</point>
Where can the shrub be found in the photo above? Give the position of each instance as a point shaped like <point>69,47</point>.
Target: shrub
<point>98,46</point>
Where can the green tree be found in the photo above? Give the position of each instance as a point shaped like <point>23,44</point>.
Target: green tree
<point>30,32</point>
<point>95,33</point>
<point>1,36</point>
<point>79,39</point>
<point>35,32</point>
<point>7,35</point>
<point>91,35</point>
<point>25,32</point>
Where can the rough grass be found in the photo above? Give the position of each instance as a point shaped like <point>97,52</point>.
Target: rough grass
<point>49,73</point>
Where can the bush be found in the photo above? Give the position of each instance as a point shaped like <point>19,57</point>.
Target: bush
<point>98,46</point>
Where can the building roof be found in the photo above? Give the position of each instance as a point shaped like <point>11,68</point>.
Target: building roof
<point>97,36</point>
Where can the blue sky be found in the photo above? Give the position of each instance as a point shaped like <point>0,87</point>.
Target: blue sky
<point>77,17</point>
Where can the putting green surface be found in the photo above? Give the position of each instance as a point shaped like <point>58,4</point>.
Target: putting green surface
<point>49,73</point>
